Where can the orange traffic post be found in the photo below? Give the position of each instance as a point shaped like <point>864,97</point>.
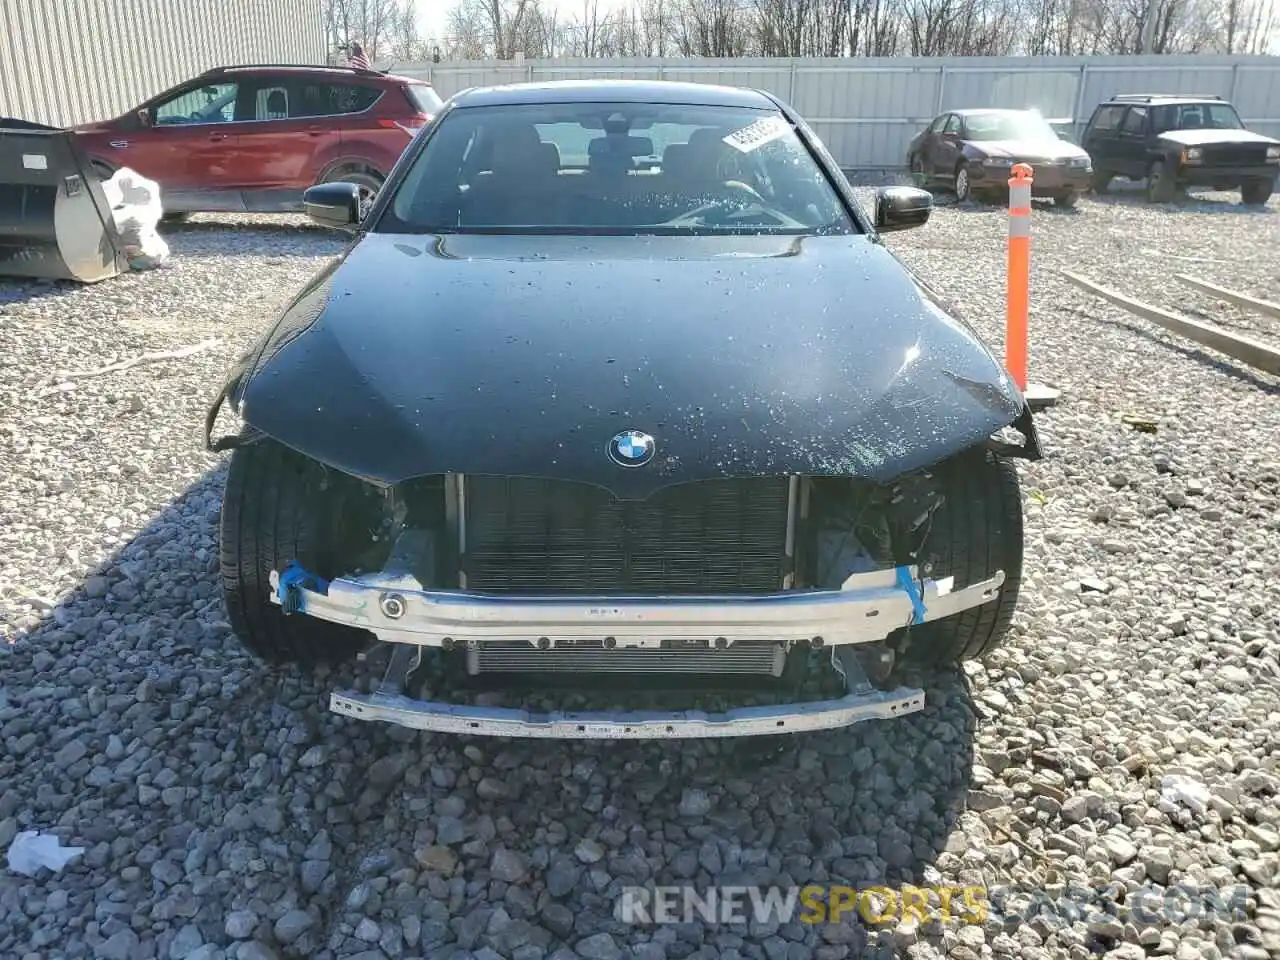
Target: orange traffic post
<point>1018,289</point>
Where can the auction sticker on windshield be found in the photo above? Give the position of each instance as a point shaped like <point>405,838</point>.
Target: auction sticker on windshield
<point>758,133</point>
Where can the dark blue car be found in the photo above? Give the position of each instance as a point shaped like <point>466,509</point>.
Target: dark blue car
<point>616,382</point>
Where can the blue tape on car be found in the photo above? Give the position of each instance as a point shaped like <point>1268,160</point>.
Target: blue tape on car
<point>297,576</point>
<point>907,583</point>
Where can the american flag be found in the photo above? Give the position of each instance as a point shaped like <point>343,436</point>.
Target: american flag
<point>357,58</point>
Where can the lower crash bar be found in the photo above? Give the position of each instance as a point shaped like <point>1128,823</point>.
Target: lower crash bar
<point>399,611</point>
<point>861,703</point>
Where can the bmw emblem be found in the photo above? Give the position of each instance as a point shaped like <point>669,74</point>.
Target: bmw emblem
<point>632,449</point>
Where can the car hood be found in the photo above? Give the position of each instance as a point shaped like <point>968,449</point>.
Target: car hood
<point>1030,151</point>
<point>88,129</point>
<point>1196,138</point>
<point>526,355</point>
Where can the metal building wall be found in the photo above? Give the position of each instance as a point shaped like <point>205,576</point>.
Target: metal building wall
<point>72,61</point>
<point>867,109</point>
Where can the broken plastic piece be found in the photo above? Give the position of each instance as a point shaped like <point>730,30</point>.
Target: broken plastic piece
<point>32,850</point>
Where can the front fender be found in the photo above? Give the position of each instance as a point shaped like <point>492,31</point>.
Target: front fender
<point>294,319</point>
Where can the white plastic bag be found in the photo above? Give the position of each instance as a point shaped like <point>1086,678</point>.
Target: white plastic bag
<point>32,850</point>
<point>137,209</point>
<point>1178,790</point>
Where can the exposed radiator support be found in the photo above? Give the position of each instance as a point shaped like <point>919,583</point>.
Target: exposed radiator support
<point>455,512</point>
<point>793,503</point>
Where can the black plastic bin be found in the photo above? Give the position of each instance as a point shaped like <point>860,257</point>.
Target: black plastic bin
<point>55,222</point>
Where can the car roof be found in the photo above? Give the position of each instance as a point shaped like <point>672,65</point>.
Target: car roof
<point>1141,99</point>
<point>309,68</point>
<point>973,111</point>
<point>614,91</point>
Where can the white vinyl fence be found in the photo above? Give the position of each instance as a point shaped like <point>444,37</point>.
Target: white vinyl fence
<point>75,61</point>
<point>867,109</point>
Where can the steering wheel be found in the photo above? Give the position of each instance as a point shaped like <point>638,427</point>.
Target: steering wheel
<point>745,188</point>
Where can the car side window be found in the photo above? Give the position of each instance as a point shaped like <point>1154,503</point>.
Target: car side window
<point>938,123</point>
<point>271,103</point>
<point>316,99</point>
<point>1135,121</point>
<point>952,125</point>
<point>207,103</point>
<point>1107,119</point>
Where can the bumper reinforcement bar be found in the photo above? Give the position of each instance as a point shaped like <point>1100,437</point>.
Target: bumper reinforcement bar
<point>862,702</point>
<point>396,608</point>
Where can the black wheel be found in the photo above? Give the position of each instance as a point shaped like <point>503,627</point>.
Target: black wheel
<point>1067,199</point>
<point>1255,193</point>
<point>369,184</point>
<point>916,166</point>
<point>1162,186</point>
<point>1102,181</point>
<point>279,506</point>
<point>975,532</point>
<point>963,186</point>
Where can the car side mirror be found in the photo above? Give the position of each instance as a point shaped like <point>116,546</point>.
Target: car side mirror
<point>901,208</point>
<point>333,204</point>
<point>144,117</point>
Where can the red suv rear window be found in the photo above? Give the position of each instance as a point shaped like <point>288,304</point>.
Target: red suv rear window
<point>423,97</point>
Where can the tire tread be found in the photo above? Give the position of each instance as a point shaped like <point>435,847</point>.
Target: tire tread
<point>970,544</point>
<point>274,511</point>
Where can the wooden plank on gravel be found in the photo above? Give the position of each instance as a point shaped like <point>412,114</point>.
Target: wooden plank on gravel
<point>1231,296</point>
<point>1244,349</point>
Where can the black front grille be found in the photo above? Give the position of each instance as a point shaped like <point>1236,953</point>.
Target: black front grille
<point>1244,154</point>
<point>719,536</point>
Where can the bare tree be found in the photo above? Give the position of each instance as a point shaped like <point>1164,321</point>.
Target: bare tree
<point>371,23</point>
<point>468,37</point>
<point>856,28</point>
<point>405,43</point>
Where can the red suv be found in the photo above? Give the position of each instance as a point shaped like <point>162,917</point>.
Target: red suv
<point>251,139</point>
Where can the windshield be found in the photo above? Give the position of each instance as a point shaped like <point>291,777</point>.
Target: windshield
<point>622,169</point>
<point>1008,126</point>
<point>1197,116</point>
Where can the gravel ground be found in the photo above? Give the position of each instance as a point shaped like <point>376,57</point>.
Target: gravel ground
<point>1128,735</point>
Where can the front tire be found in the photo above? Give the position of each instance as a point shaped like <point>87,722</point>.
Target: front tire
<point>1067,200</point>
<point>916,166</point>
<point>1162,186</point>
<point>1255,193</point>
<point>964,189</point>
<point>976,531</point>
<point>1101,181</point>
<point>280,506</point>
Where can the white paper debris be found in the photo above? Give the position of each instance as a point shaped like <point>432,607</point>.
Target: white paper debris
<point>757,134</point>
<point>1178,790</point>
<point>32,850</point>
<point>137,208</point>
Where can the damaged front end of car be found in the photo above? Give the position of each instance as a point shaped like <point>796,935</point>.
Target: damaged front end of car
<point>802,589</point>
<point>570,494</point>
